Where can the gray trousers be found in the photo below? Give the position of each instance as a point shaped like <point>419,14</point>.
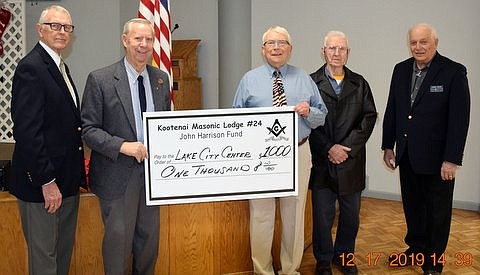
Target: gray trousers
<point>130,241</point>
<point>50,237</point>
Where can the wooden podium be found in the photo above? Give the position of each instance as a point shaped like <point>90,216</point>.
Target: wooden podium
<point>187,86</point>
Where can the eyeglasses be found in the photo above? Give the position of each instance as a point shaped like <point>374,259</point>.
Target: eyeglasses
<point>272,43</point>
<point>333,49</point>
<point>58,27</point>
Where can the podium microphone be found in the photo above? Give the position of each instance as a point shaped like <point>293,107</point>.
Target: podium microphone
<point>174,28</point>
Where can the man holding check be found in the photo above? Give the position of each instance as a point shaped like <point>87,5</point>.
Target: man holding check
<point>277,83</point>
<point>114,101</point>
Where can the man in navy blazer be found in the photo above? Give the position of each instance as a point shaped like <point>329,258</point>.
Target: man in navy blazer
<point>113,129</point>
<point>47,163</point>
<point>426,119</point>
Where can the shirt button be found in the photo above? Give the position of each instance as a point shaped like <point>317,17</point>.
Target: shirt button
<point>79,129</point>
<point>409,117</point>
<point>405,135</point>
<point>80,148</point>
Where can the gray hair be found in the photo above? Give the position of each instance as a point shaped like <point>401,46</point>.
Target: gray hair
<point>427,26</point>
<point>128,25</point>
<point>43,15</point>
<point>334,34</point>
<point>276,29</point>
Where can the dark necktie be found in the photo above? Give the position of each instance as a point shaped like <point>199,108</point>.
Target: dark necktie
<point>279,98</point>
<point>141,94</point>
<point>415,87</point>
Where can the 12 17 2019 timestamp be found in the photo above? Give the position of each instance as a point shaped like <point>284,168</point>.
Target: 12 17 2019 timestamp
<point>373,259</point>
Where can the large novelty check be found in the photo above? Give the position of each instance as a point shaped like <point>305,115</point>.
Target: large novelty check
<point>221,154</point>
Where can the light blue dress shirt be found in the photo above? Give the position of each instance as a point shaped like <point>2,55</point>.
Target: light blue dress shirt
<point>133,82</point>
<point>255,90</point>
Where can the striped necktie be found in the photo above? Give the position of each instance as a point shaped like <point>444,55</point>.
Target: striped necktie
<point>279,98</point>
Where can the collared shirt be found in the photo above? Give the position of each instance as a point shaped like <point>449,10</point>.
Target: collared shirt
<point>255,90</point>
<point>56,58</point>
<point>132,80</point>
<point>337,86</point>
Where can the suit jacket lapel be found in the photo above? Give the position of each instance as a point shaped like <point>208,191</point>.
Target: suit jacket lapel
<point>327,88</point>
<point>325,84</point>
<point>122,87</point>
<point>431,74</point>
<point>347,89</point>
<point>57,76</point>
<point>155,83</point>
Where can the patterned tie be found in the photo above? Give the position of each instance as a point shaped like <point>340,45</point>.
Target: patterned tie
<point>67,81</point>
<point>279,98</point>
<point>141,94</point>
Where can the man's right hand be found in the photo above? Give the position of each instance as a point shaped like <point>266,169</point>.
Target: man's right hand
<point>52,197</point>
<point>134,149</point>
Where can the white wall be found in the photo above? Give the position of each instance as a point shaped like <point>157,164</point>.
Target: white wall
<point>377,32</point>
<point>98,27</point>
<point>199,20</point>
<point>96,40</point>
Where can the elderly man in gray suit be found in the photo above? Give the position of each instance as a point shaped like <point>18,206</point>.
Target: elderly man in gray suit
<point>113,103</point>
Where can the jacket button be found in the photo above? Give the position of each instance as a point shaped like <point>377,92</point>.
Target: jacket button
<point>405,135</point>
<point>79,129</point>
<point>80,148</point>
<point>410,117</point>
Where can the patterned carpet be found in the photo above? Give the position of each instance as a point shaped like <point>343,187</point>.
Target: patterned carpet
<point>382,229</point>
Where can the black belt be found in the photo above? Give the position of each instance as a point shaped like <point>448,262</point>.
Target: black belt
<point>301,142</point>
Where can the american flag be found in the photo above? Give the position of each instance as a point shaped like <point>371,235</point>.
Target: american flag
<point>158,12</point>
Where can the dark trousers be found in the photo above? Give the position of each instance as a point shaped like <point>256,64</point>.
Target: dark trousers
<point>324,206</point>
<point>427,204</point>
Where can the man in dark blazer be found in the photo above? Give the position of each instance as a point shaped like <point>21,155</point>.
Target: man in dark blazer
<point>47,163</point>
<point>426,119</point>
<point>339,156</point>
<point>113,129</point>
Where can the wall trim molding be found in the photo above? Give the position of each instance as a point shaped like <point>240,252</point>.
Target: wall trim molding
<point>465,205</point>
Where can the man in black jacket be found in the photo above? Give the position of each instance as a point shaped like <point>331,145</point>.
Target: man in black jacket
<point>339,156</point>
<point>426,120</point>
<point>47,163</point>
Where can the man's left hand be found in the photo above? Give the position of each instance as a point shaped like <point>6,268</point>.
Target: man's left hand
<point>448,170</point>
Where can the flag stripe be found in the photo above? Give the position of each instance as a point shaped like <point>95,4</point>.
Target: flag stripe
<point>158,12</point>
